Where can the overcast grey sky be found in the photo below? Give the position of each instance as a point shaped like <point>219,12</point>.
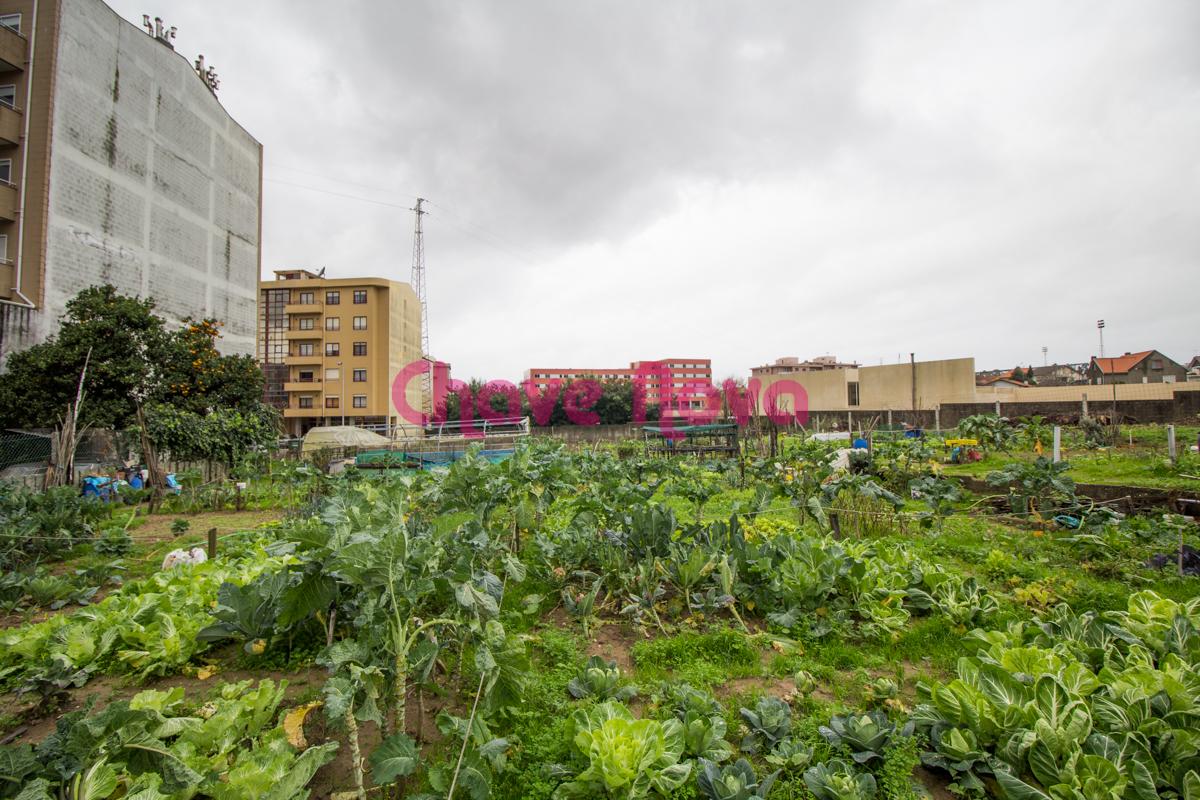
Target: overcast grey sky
<point>626,180</point>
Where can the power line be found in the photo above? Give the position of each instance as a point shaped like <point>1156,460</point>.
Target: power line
<point>526,259</point>
<point>496,237</point>
<point>326,177</point>
<point>337,194</point>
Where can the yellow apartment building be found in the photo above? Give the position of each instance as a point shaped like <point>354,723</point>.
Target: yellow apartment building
<point>331,347</point>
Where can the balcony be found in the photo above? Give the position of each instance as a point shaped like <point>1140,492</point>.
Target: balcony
<point>303,361</point>
<point>13,50</point>
<point>12,121</point>
<point>302,386</point>
<point>298,334</point>
<point>8,197</point>
<point>301,308</point>
<point>290,412</point>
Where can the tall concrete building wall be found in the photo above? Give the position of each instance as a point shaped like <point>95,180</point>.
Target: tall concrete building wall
<point>152,186</point>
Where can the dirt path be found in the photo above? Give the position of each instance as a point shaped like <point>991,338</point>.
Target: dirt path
<point>157,527</point>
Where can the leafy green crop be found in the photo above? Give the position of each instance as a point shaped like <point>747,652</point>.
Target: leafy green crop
<point>600,679</point>
<point>767,725</point>
<point>227,749</point>
<point>1075,707</point>
<point>865,736</point>
<point>735,781</point>
<point>626,757</point>
<point>837,780</point>
<point>149,627</point>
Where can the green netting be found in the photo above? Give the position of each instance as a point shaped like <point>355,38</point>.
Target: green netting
<point>691,430</point>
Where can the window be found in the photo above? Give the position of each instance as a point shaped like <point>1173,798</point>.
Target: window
<point>305,376</point>
<point>4,248</point>
<point>360,376</point>
<point>333,298</point>
<point>305,324</point>
<point>360,323</point>
<point>1156,364</point>
<point>6,170</point>
<point>852,393</point>
<point>332,374</point>
<point>333,349</point>
<point>305,350</point>
<point>360,401</point>
<point>12,21</point>
<point>331,402</point>
<point>360,348</point>
<point>305,402</point>
<point>360,296</point>
<point>333,323</point>
<point>8,96</point>
<point>306,299</point>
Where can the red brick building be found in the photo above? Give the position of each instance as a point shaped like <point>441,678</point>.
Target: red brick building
<point>679,382</point>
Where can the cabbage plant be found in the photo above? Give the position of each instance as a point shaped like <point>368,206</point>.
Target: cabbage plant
<point>735,781</point>
<point>864,735</point>
<point>768,724</point>
<point>600,679</point>
<point>704,736</point>
<point>626,758</point>
<point>790,754</point>
<point>837,780</point>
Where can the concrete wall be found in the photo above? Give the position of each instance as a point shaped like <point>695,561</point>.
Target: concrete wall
<point>826,389</point>
<point>883,387</point>
<point>153,187</point>
<point>1076,392</point>
<point>890,386</point>
<point>1182,406</point>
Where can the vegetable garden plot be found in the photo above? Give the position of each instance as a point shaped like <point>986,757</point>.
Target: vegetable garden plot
<point>451,612</point>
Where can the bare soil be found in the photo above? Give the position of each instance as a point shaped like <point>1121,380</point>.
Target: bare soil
<point>614,641</point>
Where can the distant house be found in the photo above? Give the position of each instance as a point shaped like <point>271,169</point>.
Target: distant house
<point>1060,374</point>
<point>1193,369</point>
<point>1015,378</point>
<point>1148,366</point>
<point>1002,381</point>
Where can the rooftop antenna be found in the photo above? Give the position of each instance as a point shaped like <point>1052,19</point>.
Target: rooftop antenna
<point>418,285</point>
<point>1100,327</point>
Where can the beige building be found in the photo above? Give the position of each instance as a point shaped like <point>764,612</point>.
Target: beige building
<point>789,364</point>
<point>119,165</point>
<point>331,347</point>
<point>887,387</point>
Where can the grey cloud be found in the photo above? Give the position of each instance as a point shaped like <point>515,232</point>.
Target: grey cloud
<point>736,180</point>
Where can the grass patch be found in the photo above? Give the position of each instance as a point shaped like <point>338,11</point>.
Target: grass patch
<point>702,659</point>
